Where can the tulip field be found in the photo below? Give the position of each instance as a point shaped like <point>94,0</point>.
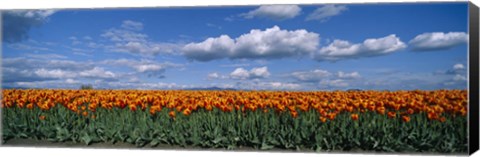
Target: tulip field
<point>381,121</point>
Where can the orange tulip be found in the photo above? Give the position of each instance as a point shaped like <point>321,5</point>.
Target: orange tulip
<point>432,116</point>
<point>392,114</point>
<point>30,106</point>
<point>443,119</point>
<point>294,114</point>
<point>354,116</point>
<point>323,119</point>
<point>187,112</point>
<point>406,118</point>
<point>132,107</point>
<point>42,117</point>
<point>332,116</point>
<point>381,110</point>
<point>410,111</point>
<point>171,114</point>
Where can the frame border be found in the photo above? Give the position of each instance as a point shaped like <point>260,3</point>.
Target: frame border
<point>473,108</point>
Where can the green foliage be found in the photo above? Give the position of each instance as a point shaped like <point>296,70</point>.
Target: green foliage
<point>216,129</point>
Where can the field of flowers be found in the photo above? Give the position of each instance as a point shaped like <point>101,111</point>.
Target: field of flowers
<point>391,121</point>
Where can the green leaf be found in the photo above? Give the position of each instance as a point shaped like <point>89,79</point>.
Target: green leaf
<point>266,146</point>
<point>86,138</point>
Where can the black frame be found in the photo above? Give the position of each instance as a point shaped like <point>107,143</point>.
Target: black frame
<point>473,140</point>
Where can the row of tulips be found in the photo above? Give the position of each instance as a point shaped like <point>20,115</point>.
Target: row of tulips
<point>328,104</point>
<point>394,121</point>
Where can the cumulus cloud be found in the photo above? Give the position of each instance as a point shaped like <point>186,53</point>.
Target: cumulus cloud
<point>240,73</point>
<point>142,85</point>
<point>254,73</point>
<point>353,75</point>
<point>38,69</point>
<point>333,83</point>
<point>123,35</point>
<point>459,77</point>
<point>37,63</point>
<point>271,43</point>
<point>458,68</point>
<point>340,49</point>
<point>267,85</point>
<point>278,85</point>
<point>95,73</point>
<point>325,12</point>
<point>132,25</point>
<point>128,38</point>
<point>318,78</point>
<point>275,12</point>
<point>210,49</point>
<point>17,24</point>
<point>312,75</point>
<point>438,41</point>
<point>213,76</point>
<point>55,73</point>
<point>149,67</point>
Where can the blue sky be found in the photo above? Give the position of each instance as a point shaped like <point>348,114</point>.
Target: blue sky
<point>281,47</point>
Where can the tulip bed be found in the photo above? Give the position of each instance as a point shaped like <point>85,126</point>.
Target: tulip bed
<point>387,121</point>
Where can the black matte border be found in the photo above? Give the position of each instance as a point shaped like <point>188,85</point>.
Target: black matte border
<point>473,108</point>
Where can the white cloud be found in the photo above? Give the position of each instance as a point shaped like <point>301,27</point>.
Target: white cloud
<point>459,77</point>
<point>132,25</point>
<point>122,35</point>
<point>139,85</point>
<point>312,75</point>
<point>128,39</point>
<point>340,49</point>
<point>275,12</point>
<point>40,69</point>
<point>323,79</point>
<point>333,83</point>
<point>213,76</point>
<point>456,69</point>
<point>325,12</point>
<point>279,85</point>
<point>74,40</point>
<point>257,44</point>
<point>63,84</point>
<point>46,56</point>
<point>54,73</point>
<point>438,41</point>
<point>268,85</point>
<point>259,72</point>
<point>146,48</point>
<point>20,46</point>
<point>72,81</point>
<point>87,38</point>
<point>149,67</point>
<point>210,49</point>
<point>254,73</point>
<point>458,66</point>
<point>97,72</point>
<point>240,73</point>
<point>353,75</point>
